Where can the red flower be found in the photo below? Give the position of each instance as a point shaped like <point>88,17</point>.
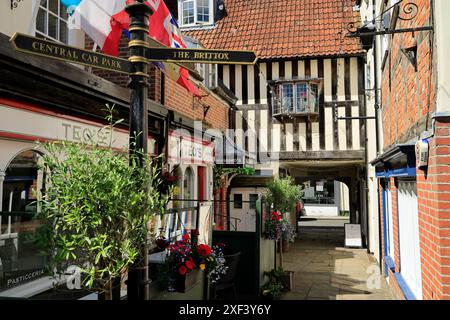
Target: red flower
<point>204,250</point>
<point>276,215</point>
<point>190,264</point>
<point>182,270</point>
<point>186,237</point>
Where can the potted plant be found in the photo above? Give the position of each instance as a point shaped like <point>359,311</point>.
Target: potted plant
<point>283,195</point>
<point>185,261</point>
<point>285,278</point>
<point>95,210</point>
<point>273,288</point>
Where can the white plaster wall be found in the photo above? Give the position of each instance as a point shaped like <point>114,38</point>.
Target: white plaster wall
<point>372,194</point>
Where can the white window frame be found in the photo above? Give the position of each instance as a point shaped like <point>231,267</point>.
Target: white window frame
<point>390,225</point>
<point>196,22</point>
<point>48,12</point>
<point>210,78</point>
<point>409,238</point>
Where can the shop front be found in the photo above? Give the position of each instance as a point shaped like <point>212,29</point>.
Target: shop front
<point>22,271</point>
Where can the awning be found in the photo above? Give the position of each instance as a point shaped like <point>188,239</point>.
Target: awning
<point>399,161</point>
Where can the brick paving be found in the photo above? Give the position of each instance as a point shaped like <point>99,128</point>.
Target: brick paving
<point>325,270</point>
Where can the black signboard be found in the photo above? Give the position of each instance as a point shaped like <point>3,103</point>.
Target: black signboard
<point>201,56</point>
<point>54,50</point>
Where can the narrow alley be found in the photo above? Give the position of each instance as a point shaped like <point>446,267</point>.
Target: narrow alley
<point>325,270</point>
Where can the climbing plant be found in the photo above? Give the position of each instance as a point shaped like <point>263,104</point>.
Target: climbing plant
<point>220,172</point>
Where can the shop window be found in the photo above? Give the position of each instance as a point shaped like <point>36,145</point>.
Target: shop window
<point>319,192</point>
<point>20,260</point>
<point>253,198</point>
<point>195,12</point>
<point>295,97</point>
<point>237,201</point>
<point>51,21</point>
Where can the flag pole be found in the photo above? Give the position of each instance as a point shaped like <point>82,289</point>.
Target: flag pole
<point>137,284</point>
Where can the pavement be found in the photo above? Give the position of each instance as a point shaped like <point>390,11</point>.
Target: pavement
<point>325,270</point>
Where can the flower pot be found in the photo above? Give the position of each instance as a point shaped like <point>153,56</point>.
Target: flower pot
<point>186,282</point>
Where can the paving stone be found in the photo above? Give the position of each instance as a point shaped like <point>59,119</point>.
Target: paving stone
<point>325,270</point>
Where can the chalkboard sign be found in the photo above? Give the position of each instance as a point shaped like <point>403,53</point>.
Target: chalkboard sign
<point>353,235</point>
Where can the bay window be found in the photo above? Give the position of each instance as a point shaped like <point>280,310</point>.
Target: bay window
<point>301,97</point>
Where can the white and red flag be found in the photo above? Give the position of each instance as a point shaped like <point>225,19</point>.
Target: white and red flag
<point>105,20</point>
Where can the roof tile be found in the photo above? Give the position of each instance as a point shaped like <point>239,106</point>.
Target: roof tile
<point>283,29</point>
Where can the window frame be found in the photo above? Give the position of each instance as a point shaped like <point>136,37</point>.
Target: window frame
<point>59,19</point>
<point>196,12</point>
<point>236,201</point>
<point>278,91</point>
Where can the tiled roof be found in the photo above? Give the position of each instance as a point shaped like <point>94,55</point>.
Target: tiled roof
<point>283,28</point>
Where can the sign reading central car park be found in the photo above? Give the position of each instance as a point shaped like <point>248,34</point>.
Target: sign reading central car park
<point>54,50</point>
<point>201,56</point>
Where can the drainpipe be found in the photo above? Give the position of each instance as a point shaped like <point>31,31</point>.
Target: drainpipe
<point>377,124</point>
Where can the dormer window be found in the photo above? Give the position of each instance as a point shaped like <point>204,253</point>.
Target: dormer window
<point>295,97</point>
<point>195,12</point>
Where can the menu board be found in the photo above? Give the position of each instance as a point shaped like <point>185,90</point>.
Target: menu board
<point>353,235</point>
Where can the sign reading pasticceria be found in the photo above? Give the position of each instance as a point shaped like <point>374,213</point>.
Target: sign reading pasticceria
<point>201,55</point>
<point>25,43</point>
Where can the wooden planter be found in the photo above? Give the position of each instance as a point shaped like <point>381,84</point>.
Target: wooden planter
<point>287,281</point>
<point>186,282</point>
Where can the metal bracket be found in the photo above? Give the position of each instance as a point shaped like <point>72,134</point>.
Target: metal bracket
<point>15,4</point>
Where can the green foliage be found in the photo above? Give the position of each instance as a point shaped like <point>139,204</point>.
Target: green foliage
<point>283,194</point>
<point>96,208</point>
<point>273,287</point>
<point>220,172</point>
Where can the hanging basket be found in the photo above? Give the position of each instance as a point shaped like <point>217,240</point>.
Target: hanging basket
<point>186,282</point>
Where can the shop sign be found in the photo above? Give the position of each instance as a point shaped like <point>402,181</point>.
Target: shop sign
<point>19,278</point>
<point>187,150</point>
<point>51,127</point>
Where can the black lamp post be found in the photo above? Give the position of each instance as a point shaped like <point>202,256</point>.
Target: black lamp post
<point>139,13</point>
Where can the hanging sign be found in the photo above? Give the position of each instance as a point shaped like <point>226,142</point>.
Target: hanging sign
<point>58,51</point>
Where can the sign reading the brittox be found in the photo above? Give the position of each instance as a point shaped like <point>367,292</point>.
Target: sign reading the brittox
<point>186,149</point>
<point>49,49</point>
<point>201,55</point>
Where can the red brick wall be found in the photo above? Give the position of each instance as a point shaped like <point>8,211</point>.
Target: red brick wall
<point>433,189</point>
<point>407,95</point>
<point>180,100</point>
